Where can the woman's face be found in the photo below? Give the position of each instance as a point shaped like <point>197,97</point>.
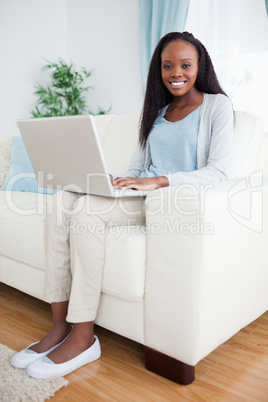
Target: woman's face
<point>179,67</point>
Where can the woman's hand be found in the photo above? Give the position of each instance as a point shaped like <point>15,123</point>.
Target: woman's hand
<point>147,183</point>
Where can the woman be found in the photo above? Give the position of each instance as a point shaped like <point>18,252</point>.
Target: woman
<point>185,136</point>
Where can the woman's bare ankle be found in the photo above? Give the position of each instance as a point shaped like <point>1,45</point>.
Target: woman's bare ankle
<point>56,335</point>
<point>80,339</point>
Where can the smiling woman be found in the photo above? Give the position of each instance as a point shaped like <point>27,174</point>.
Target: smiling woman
<point>177,46</point>
<point>199,150</point>
<point>185,136</point>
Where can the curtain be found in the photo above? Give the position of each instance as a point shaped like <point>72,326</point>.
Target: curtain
<point>156,18</point>
<point>235,35</point>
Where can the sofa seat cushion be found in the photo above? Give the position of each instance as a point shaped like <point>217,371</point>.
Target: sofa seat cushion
<point>22,226</point>
<point>22,239</point>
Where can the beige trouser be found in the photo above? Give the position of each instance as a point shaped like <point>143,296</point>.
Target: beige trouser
<point>75,227</point>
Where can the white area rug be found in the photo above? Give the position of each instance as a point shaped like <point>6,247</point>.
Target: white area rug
<point>17,386</point>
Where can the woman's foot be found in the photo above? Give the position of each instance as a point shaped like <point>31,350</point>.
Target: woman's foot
<point>54,337</point>
<point>80,339</point>
<point>38,350</point>
<point>45,368</point>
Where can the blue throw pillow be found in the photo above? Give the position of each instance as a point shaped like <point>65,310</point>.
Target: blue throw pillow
<point>20,176</point>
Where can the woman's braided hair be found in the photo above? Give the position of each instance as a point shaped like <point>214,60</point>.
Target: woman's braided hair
<point>157,96</point>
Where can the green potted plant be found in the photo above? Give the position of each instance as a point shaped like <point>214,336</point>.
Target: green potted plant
<point>65,95</point>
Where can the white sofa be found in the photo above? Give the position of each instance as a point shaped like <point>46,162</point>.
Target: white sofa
<point>189,280</point>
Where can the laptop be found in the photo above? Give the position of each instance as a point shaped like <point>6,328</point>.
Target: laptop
<point>66,154</point>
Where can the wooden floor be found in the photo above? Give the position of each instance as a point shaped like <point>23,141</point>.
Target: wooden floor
<point>235,371</point>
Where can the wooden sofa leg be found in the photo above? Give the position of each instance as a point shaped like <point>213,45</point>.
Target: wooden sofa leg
<point>168,367</point>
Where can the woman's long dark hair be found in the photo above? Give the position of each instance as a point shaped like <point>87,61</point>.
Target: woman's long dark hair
<point>157,96</point>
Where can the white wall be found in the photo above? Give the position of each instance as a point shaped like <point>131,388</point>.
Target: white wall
<point>104,35</point>
<point>29,30</point>
<point>97,34</point>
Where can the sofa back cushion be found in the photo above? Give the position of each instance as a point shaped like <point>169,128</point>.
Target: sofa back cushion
<point>119,137</point>
<point>247,143</point>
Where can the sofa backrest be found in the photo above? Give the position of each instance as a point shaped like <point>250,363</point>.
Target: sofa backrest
<point>119,137</point>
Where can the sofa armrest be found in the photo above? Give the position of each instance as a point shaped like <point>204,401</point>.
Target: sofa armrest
<point>206,264</point>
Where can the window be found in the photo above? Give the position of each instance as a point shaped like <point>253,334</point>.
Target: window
<point>235,33</point>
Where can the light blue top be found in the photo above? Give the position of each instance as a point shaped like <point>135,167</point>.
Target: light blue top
<point>214,143</point>
<point>173,145</point>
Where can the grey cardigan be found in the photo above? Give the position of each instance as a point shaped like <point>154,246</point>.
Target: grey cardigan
<point>213,145</point>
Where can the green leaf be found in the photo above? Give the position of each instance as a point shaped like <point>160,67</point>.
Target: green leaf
<point>64,94</point>
<point>102,111</point>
